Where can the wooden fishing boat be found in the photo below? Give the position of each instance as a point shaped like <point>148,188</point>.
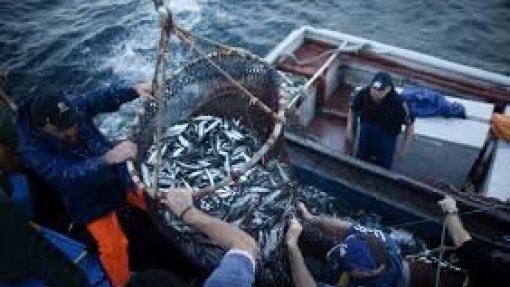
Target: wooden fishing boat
<point>456,153</point>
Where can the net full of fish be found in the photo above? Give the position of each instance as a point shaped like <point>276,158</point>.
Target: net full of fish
<point>201,152</point>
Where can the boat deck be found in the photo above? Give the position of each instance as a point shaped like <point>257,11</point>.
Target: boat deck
<point>329,131</point>
<point>338,103</point>
<point>330,122</point>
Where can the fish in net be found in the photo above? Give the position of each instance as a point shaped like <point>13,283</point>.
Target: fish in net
<point>220,136</point>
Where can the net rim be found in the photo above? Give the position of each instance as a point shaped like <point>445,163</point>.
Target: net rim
<point>278,123</point>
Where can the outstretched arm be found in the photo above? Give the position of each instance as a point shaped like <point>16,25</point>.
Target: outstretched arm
<point>407,118</point>
<point>180,201</point>
<point>349,133</point>
<point>300,274</point>
<point>408,139</point>
<point>109,99</point>
<point>333,226</point>
<point>455,227</point>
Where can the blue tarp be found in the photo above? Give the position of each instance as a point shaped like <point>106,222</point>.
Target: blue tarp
<point>429,103</point>
<point>73,250</point>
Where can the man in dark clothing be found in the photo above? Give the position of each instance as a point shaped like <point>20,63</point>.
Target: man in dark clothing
<point>60,143</point>
<point>485,267</point>
<point>382,113</point>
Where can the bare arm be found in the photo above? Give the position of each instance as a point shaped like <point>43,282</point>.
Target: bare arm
<point>455,227</point>
<point>349,135</point>
<point>222,233</point>
<point>334,226</point>
<point>456,230</point>
<point>180,201</point>
<point>349,130</point>
<point>300,274</point>
<point>408,139</point>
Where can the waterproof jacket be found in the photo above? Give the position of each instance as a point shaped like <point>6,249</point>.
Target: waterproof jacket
<point>89,187</point>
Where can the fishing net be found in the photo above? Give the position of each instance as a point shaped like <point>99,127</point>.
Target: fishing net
<point>216,128</point>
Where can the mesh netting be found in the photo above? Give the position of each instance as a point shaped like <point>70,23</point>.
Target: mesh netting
<point>199,88</point>
<point>224,142</point>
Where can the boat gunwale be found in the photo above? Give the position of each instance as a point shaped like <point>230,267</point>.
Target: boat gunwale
<point>477,83</point>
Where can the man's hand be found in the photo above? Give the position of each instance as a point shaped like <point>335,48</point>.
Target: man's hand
<point>120,153</point>
<point>349,142</point>
<point>178,199</point>
<point>144,90</point>
<point>401,153</point>
<point>293,232</point>
<point>448,205</point>
<point>304,212</point>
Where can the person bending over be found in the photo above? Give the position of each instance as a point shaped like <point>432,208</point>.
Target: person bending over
<point>355,255</point>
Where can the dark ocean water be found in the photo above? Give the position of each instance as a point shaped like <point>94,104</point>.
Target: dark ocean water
<point>50,45</point>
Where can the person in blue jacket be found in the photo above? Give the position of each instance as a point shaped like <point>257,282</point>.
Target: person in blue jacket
<point>355,255</point>
<point>382,112</point>
<point>58,140</point>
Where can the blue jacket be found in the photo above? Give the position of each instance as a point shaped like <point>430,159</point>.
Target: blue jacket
<point>429,103</point>
<point>88,186</point>
<point>354,253</point>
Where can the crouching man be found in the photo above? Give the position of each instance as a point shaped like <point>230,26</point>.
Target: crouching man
<point>60,143</point>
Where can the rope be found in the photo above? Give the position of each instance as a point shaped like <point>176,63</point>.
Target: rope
<point>3,95</point>
<point>158,87</point>
<point>411,223</point>
<point>208,40</point>
<point>441,252</point>
<point>253,100</point>
<point>428,251</point>
<point>441,248</point>
<point>158,83</point>
<point>239,50</point>
<point>308,61</point>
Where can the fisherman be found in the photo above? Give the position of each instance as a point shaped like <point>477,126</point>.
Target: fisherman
<point>59,142</point>
<point>484,267</point>
<point>236,269</point>
<point>355,255</point>
<point>382,113</point>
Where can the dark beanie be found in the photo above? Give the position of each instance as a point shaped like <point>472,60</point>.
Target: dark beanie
<point>52,109</point>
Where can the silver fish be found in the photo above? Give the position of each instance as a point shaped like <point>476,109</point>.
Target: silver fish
<point>175,130</point>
